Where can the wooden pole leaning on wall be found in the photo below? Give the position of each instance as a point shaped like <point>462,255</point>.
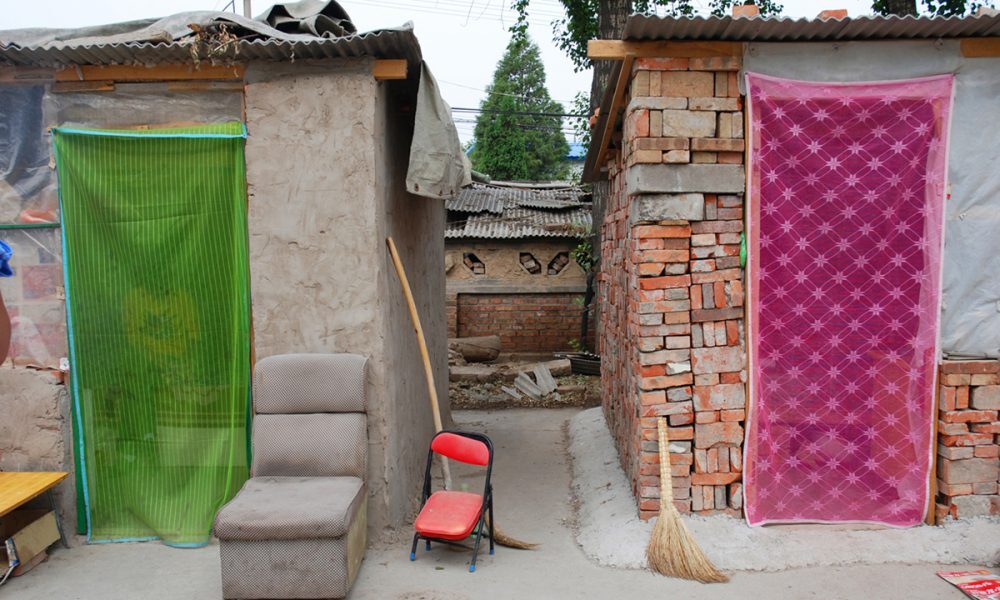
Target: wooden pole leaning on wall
<point>424,354</point>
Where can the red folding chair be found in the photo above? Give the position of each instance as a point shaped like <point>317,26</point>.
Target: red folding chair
<point>447,516</point>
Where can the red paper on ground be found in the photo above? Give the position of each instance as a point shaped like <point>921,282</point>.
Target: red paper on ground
<point>847,184</point>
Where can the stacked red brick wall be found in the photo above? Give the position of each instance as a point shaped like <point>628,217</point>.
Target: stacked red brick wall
<point>968,467</point>
<point>544,322</point>
<point>672,286</point>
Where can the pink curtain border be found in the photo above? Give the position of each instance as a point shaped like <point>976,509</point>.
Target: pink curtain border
<point>752,289</point>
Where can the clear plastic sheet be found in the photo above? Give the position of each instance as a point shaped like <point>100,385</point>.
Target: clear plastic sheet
<point>35,297</point>
<point>29,194</point>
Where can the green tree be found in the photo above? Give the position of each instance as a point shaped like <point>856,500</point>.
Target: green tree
<point>938,8</point>
<point>519,131</point>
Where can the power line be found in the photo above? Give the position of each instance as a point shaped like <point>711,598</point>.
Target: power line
<point>517,113</point>
<point>469,87</point>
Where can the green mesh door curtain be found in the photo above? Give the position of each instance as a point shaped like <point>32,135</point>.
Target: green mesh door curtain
<point>155,243</point>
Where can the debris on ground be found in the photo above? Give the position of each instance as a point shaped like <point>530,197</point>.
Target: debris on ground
<point>542,385</point>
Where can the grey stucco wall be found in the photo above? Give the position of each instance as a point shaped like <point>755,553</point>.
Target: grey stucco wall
<point>326,160</point>
<point>416,225</point>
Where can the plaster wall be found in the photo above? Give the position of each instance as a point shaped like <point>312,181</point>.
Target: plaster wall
<point>326,160</point>
<point>416,225</point>
<point>35,432</point>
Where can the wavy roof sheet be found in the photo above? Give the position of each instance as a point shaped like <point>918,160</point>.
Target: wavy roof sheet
<point>171,40</point>
<point>516,223</point>
<point>758,29</point>
<point>514,211</point>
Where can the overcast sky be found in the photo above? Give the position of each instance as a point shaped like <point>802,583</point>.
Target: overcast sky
<point>462,40</point>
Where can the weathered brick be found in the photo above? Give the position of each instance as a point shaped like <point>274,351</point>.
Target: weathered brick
<point>970,366</point>
<point>718,397</point>
<point>653,179</point>
<point>986,427</point>
<point>717,360</point>
<point>953,489</point>
<point>952,428</point>
<point>663,231</point>
<point>951,453</point>
<point>688,123</point>
<point>676,157</point>
<point>986,397</point>
<point>969,416</point>
<point>655,383</point>
<point>687,84</point>
<point>992,451</point>
<point>705,158</point>
<point>715,63</point>
<point>717,145</point>
<point>979,379</point>
<point>662,143</point>
<point>714,434</point>
<point>716,314</point>
<point>970,470</point>
<point>972,506</point>
<point>656,283</point>
<point>646,157</point>
<point>650,103</point>
<point>968,439</point>
<point>664,207</point>
<point>707,417</point>
<point>662,64</point>
<point>714,103</point>
<point>640,83</point>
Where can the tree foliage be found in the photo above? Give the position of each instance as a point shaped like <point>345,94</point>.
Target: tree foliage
<point>516,136</point>
<point>580,23</point>
<point>938,8</point>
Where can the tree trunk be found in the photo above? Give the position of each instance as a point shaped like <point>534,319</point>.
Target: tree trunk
<point>900,7</point>
<point>611,18</point>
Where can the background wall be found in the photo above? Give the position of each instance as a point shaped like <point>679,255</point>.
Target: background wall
<point>970,316</point>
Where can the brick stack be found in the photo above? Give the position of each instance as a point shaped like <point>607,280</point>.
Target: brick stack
<point>968,466</point>
<point>671,283</point>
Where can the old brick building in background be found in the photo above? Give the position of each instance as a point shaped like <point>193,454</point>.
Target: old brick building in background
<point>510,264</point>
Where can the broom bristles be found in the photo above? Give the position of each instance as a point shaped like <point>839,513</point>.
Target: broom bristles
<point>505,540</point>
<point>673,552</point>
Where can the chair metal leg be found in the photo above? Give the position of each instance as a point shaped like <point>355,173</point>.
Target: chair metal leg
<point>427,548</point>
<point>413,549</point>
<point>479,537</point>
<point>492,521</point>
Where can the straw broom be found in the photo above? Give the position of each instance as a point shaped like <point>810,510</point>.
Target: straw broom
<point>672,551</point>
<point>498,536</point>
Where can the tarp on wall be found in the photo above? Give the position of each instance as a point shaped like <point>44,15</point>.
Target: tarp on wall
<point>970,317</point>
<point>845,228</point>
<point>158,308</point>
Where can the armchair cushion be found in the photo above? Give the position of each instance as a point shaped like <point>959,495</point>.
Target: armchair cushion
<point>291,508</point>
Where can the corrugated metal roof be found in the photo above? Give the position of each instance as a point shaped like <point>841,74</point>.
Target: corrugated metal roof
<point>171,39</point>
<point>758,29</point>
<point>493,198</point>
<point>389,43</point>
<point>517,223</point>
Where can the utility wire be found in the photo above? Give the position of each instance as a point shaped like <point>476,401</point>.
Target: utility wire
<point>460,109</point>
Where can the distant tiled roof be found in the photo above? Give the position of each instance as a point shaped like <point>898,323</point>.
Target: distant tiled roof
<point>514,211</point>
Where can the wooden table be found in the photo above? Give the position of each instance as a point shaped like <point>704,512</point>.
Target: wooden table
<point>17,489</point>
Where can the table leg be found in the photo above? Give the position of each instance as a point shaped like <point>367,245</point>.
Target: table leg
<point>55,511</point>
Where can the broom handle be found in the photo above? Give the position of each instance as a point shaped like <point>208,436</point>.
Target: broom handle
<point>666,485</point>
<point>428,372</point>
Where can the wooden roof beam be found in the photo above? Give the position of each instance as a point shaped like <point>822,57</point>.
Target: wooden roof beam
<point>619,49</point>
<point>617,102</point>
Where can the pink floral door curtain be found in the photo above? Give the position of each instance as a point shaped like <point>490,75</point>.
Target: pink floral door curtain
<point>847,186</point>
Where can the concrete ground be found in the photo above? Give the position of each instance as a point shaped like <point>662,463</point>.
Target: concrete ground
<point>533,502</point>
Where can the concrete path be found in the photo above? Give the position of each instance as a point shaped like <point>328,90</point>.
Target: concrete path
<point>533,501</point>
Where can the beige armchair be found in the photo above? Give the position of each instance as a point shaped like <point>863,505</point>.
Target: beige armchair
<point>297,528</point>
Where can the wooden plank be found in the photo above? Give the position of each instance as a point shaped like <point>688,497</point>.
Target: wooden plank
<point>619,49</point>
<point>17,488</point>
<point>617,102</point>
<point>62,87</point>
<point>25,75</point>
<point>930,517</point>
<point>385,68</point>
<point>181,72</point>
<point>980,47</point>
